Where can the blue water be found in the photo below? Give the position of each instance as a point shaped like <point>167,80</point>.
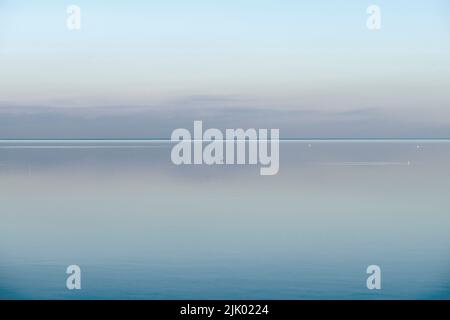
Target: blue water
<point>142,228</point>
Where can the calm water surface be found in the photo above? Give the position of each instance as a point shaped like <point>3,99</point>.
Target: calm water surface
<point>141,227</point>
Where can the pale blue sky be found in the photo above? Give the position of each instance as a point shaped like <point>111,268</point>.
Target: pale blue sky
<point>290,54</point>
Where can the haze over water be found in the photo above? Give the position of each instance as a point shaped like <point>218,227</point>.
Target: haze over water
<point>141,227</point>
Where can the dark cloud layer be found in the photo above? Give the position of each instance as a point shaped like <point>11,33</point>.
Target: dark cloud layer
<point>141,122</point>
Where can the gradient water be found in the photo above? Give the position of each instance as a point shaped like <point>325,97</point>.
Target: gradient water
<point>141,227</point>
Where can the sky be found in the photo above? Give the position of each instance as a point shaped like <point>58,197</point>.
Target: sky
<point>287,56</point>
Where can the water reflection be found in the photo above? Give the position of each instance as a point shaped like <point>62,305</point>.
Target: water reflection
<point>141,227</point>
